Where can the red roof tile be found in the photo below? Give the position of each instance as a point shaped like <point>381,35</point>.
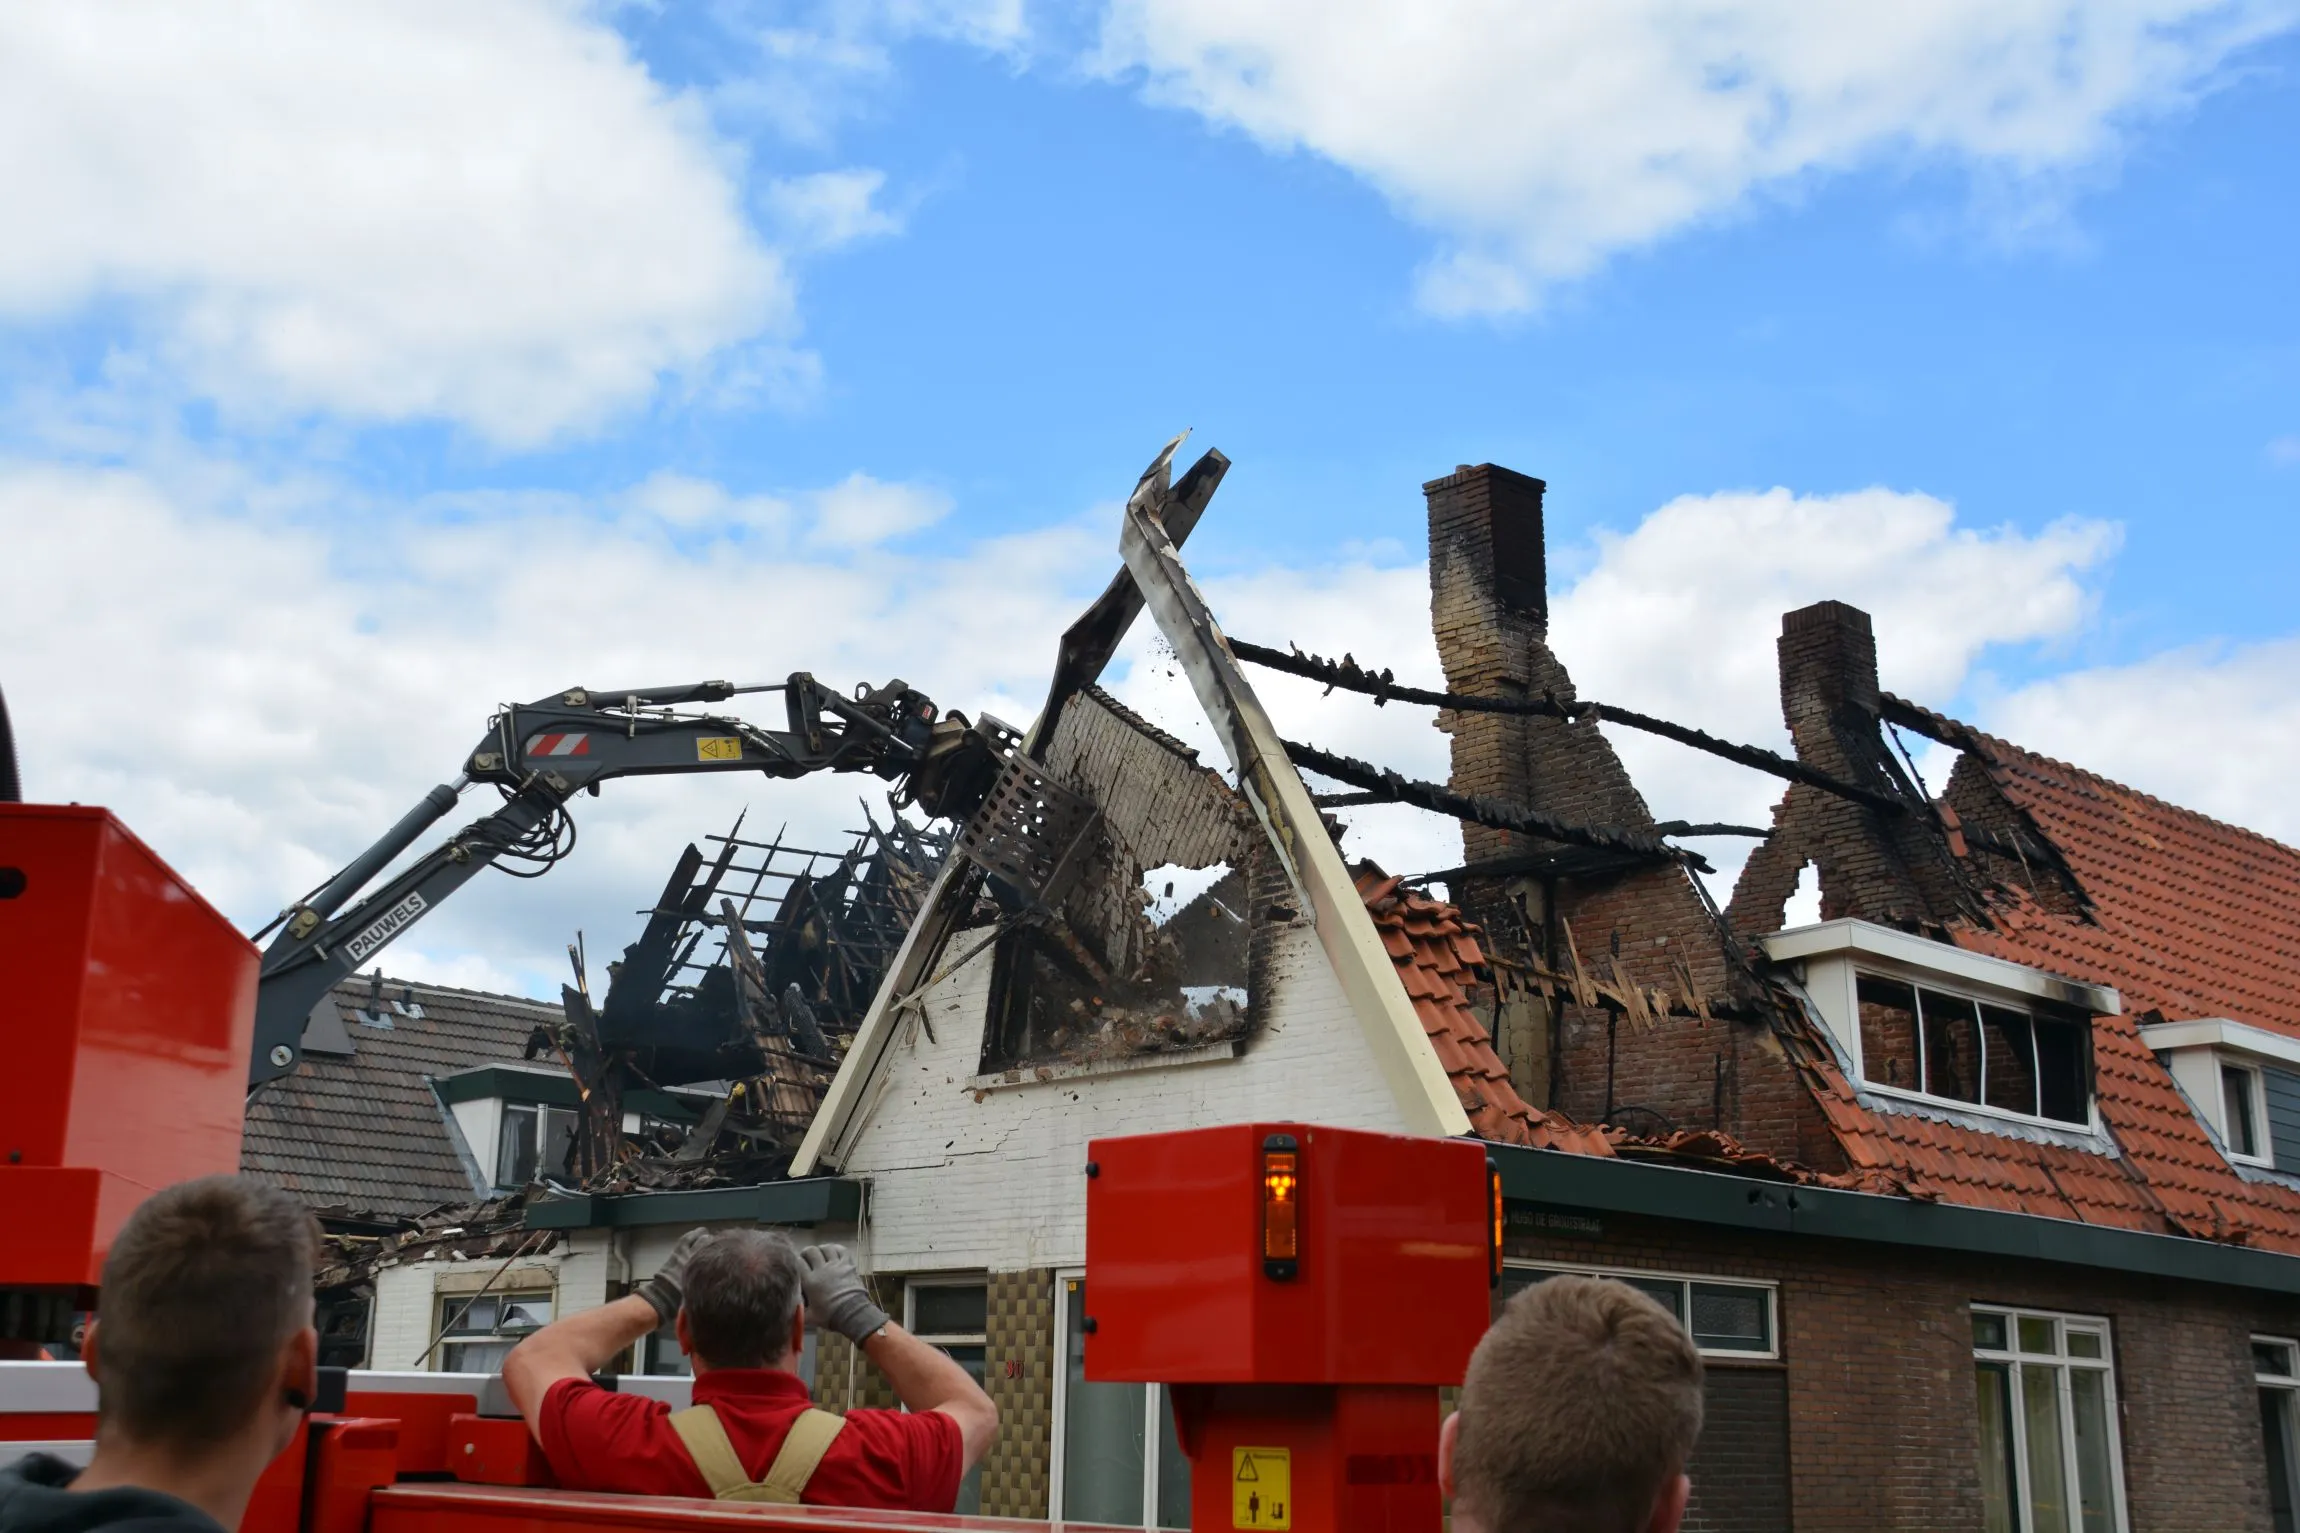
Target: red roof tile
<point>2191,917</point>
<point>1439,961</point>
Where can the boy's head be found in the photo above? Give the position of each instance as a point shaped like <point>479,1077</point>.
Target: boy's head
<point>1579,1412</point>
<point>205,1321</point>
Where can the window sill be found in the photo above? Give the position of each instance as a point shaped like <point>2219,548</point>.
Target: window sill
<point>1049,1074</point>
<point>1987,1119</point>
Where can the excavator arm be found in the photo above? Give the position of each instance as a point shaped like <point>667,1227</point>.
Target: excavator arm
<point>541,754</point>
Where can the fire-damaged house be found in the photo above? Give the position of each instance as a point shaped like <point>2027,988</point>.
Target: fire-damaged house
<point>1981,1194</point>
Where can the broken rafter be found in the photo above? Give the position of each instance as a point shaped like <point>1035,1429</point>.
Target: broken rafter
<point>1484,811</point>
<point>1351,677</point>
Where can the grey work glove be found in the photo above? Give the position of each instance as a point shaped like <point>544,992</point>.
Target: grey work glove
<point>666,1290</point>
<point>837,1298</point>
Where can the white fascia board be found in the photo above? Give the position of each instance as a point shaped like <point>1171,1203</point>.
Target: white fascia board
<point>1921,957</point>
<point>1369,978</point>
<point>2223,1034</point>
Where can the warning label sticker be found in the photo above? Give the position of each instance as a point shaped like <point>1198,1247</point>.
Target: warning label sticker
<point>1261,1488</point>
<point>718,748</point>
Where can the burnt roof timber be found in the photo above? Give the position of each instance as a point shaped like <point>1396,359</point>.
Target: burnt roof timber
<point>1352,678</point>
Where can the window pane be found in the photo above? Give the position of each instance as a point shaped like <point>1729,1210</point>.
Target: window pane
<point>474,1356</point>
<point>471,1315</point>
<point>515,1148</point>
<point>1988,1332</point>
<point>2236,1104</point>
<point>525,1314</point>
<point>1997,1476</point>
<point>2036,1335</point>
<point>2095,1488</point>
<point>2047,1465</point>
<point>2064,1069</point>
<point>2277,1410</point>
<point>1888,1032</point>
<point>1101,1434</point>
<point>2272,1357</point>
<point>1516,1280</point>
<point>663,1356</point>
<point>1952,1046</point>
<point>556,1151</point>
<point>1666,1292</point>
<point>975,1361</point>
<point>2009,1050</point>
<point>1173,1467</point>
<point>2083,1343</point>
<point>952,1311</point>
<point>1731,1319</point>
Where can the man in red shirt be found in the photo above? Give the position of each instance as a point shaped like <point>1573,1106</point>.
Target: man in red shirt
<point>743,1301</point>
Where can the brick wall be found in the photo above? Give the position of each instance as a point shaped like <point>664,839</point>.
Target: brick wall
<point>1491,626</point>
<point>1876,1347</point>
<point>1890,868</point>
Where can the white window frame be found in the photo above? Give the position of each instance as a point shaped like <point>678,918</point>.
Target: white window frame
<point>1772,1290</point>
<point>452,1306</point>
<point>2288,1382</point>
<point>1153,1438</point>
<point>2256,1109</point>
<point>2091,1123</point>
<point>2064,1364</point>
<point>911,1288</point>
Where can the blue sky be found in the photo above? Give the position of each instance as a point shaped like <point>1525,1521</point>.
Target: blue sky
<point>455,360</point>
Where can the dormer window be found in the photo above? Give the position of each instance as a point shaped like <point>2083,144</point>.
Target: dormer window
<point>2244,1081</point>
<point>1944,1025</point>
<point>1960,1048</point>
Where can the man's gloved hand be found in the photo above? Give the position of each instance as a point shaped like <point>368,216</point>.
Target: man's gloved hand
<point>837,1298</point>
<point>666,1290</point>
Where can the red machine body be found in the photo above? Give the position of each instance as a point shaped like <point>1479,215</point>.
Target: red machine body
<point>1304,1367</point>
<point>1303,1291</point>
<point>129,1005</point>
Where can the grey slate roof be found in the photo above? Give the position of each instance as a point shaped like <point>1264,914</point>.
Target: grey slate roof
<point>365,1133</point>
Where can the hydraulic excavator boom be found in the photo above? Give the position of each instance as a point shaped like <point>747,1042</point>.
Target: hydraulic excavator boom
<point>541,754</point>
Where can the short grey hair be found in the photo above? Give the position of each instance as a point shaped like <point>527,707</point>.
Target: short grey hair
<point>741,1294</point>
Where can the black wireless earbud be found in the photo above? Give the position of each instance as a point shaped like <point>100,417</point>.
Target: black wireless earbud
<point>296,1398</point>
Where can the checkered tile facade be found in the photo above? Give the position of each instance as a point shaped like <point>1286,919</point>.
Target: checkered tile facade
<point>1020,1334</point>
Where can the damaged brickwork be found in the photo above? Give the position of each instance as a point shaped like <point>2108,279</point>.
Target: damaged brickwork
<point>1636,926</point>
<point>1108,980</point>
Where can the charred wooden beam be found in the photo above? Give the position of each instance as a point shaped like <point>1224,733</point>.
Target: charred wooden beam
<point>1348,675</point>
<point>1485,811</point>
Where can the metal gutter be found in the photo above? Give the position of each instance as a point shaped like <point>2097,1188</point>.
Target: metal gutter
<point>1560,1179</point>
<point>810,1200</point>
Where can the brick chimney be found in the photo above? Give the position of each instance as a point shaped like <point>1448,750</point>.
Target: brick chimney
<point>1829,685</point>
<point>1489,607</point>
<point>1895,869</point>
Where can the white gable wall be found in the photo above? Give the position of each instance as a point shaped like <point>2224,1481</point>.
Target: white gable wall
<point>1000,1184</point>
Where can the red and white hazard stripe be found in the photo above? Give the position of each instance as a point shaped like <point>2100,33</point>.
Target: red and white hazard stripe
<point>559,745</point>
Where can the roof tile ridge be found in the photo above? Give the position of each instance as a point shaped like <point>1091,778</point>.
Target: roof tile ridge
<point>1998,752</point>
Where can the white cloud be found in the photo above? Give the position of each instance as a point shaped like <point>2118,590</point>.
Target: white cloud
<point>860,511</point>
<point>831,208</point>
<point>260,700</point>
<point>1539,137</point>
<point>2214,728</point>
<point>383,211</point>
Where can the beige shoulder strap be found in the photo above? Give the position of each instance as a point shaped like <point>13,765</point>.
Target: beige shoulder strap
<point>810,1438</point>
<point>705,1437</point>
<point>699,1428</point>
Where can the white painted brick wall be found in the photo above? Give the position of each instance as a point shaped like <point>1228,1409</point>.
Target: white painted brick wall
<point>999,1184</point>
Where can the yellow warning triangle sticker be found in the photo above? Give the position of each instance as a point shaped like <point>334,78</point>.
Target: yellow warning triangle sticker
<point>1246,1469</point>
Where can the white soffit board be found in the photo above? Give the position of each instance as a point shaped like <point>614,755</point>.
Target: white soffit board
<point>2221,1033</point>
<point>1905,951</point>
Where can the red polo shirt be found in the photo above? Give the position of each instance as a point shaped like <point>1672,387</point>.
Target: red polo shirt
<point>892,1461</point>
